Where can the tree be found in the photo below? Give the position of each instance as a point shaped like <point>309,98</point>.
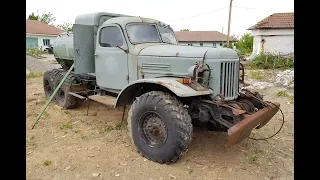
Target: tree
<point>33,17</point>
<point>245,44</point>
<point>184,30</point>
<point>65,26</point>
<point>47,18</point>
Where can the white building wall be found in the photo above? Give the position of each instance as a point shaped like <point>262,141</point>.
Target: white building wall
<point>276,41</point>
<point>41,37</point>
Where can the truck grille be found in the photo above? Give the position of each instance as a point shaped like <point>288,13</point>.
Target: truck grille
<point>229,79</point>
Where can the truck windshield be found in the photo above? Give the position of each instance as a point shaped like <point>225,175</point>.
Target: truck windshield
<point>143,33</point>
<point>167,35</point>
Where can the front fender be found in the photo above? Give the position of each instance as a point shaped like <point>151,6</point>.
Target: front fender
<point>128,94</point>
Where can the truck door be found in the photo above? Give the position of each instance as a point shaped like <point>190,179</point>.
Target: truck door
<point>111,62</point>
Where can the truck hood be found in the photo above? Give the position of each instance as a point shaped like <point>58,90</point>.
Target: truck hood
<point>169,50</point>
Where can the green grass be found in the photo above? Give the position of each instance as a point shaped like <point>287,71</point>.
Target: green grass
<point>83,137</point>
<point>253,159</point>
<point>108,128</point>
<point>190,171</point>
<point>285,94</point>
<point>291,82</point>
<point>34,74</point>
<point>118,126</point>
<point>291,99</point>
<point>46,113</point>
<point>47,162</point>
<point>66,125</point>
<point>282,94</point>
<point>256,75</point>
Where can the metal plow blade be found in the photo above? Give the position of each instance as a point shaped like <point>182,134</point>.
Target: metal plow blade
<point>243,129</point>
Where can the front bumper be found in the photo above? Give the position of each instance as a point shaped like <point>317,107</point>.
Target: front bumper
<point>243,129</point>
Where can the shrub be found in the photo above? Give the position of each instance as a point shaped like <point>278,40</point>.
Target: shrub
<point>271,61</point>
<point>34,51</point>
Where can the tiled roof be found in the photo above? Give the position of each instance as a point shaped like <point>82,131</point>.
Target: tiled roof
<point>202,36</point>
<point>38,27</point>
<point>276,20</point>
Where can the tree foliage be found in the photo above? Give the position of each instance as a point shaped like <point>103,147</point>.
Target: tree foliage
<point>245,44</point>
<point>46,17</point>
<point>65,26</point>
<point>32,16</point>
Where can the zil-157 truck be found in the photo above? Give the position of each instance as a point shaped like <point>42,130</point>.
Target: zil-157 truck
<point>122,60</point>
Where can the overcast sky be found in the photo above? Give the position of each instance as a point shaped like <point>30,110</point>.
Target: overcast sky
<point>198,15</point>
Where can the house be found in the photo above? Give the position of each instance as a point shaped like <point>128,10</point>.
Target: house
<point>203,38</point>
<point>40,34</point>
<point>274,34</point>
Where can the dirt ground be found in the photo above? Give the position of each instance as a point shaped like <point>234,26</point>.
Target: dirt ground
<point>68,144</point>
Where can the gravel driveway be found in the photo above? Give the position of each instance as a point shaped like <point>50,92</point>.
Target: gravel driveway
<point>38,65</point>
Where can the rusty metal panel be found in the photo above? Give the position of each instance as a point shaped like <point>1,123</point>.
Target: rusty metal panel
<point>78,87</point>
<point>242,129</point>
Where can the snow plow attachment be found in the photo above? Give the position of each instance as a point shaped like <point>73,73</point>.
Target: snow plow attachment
<point>243,129</point>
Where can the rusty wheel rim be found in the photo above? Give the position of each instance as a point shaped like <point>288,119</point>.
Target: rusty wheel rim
<point>153,129</point>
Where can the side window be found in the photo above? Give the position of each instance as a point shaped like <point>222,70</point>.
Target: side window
<point>110,37</point>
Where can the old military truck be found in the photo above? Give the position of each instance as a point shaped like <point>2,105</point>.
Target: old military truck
<point>122,60</point>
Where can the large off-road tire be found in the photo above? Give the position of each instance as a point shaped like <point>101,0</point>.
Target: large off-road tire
<point>63,98</point>
<point>160,127</point>
<point>47,84</point>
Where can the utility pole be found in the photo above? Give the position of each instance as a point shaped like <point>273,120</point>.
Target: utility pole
<point>229,23</point>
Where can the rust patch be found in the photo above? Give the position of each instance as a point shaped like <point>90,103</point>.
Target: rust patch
<point>243,129</point>
<point>180,81</point>
<point>78,88</point>
<point>235,111</point>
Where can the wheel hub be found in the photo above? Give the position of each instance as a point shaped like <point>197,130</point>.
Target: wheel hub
<point>153,129</point>
<point>47,86</point>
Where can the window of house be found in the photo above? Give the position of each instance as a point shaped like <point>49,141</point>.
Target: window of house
<point>201,44</point>
<point>214,45</point>
<point>110,37</point>
<point>46,42</point>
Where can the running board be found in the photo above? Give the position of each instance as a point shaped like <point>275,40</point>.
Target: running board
<point>107,100</point>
